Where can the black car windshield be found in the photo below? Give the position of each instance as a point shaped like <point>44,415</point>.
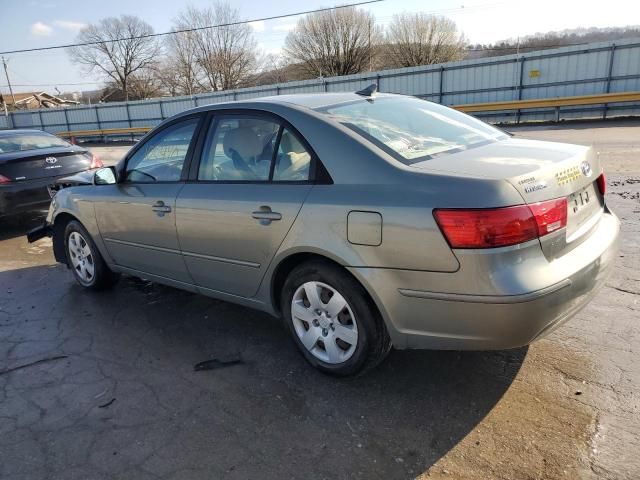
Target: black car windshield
<point>413,130</point>
<point>21,141</point>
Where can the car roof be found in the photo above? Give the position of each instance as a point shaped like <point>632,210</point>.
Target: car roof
<point>300,102</point>
<point>6,133</point>
<point>316,100</point>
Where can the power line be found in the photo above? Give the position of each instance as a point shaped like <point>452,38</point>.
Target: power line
<point>186,30</point>
<point>272,34</point>
<point>52,84</point>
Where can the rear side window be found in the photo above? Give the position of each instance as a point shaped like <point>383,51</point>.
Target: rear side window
<point>293,161</point>
<point>162,157</point>
<point>19,142</point>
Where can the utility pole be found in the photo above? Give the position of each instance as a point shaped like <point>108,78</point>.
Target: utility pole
<point>370,61</point>
<point>6,73</point>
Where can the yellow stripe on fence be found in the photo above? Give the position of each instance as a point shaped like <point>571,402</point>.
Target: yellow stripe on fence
<point>104,132</point>
<point>551,102</point>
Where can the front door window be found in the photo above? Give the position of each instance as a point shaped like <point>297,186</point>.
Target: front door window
<point>162,157</point>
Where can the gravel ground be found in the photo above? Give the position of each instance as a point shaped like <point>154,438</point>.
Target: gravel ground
<point>97,386</point>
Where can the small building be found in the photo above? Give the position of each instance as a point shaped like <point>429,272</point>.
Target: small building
<point>33,100</point>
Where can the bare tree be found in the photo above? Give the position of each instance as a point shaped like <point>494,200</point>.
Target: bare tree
<point>334,42</point>
<point>172,79</point>
<point>117,48</point>
<point>274,69</point>
<point>180,72</point>
<point>421,39</point>
<point>145,84</point>
<point>225,54</point>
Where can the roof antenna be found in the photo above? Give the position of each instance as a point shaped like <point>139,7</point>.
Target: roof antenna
<point>369,91</point>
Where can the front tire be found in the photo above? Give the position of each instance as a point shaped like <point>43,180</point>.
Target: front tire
<point>84,259</point>
<point>332,320</point>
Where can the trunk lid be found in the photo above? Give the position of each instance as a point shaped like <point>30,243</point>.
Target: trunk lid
<point>538,171</point>
<point>43,163</point>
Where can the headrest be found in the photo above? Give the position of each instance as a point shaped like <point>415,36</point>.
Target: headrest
<point>244,141</point>
<point>290,144</point>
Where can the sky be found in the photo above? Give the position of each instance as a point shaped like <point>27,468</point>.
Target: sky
<point>39,23</point>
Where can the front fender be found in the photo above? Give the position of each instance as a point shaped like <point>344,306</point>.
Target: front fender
<point>69,204</point>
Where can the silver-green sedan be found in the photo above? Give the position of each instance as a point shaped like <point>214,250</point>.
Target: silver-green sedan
<point>365,220</point>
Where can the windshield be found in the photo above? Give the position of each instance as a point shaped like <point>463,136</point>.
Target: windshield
<point>19,142</point>
<point>413,130</point>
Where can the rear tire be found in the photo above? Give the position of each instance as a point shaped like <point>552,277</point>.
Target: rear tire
<point>332,320</point>
<point>84,259</point>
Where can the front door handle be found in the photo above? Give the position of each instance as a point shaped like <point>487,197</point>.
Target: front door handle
<point>265,215</point>
<point>160,208</point>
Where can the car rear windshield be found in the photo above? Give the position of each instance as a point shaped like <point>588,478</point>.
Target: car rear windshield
<point>413,130</point>
<point>19,142</point>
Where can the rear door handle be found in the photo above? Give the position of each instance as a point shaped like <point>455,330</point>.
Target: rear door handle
<point>265,215</point>
<point>160,208</point>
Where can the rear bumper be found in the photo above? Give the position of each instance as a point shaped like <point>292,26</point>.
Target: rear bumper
<point>24,196</point>
<point>419,315</point>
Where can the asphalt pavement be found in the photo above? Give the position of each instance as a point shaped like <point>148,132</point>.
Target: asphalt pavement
<point>103,385</point>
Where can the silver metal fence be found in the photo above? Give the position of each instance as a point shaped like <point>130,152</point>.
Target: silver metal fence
<point>605,67</point>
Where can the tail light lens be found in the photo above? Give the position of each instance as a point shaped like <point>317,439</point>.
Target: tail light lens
<point>4,180</point>
<point>96,162</point>
<point>501,227</point>
<point>602,184</point>
<point>550,215</point>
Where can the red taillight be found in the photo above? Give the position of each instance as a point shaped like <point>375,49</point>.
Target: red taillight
<point>602,184</point>
<point>4,179</point>
<point>500,227</point>
<point>486,228</point>
<point>96,162</point>
<point>550,215</point>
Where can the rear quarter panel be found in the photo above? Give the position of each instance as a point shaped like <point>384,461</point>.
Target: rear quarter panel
<point>411,239</point>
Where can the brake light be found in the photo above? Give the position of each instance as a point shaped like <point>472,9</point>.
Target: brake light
<point>96,162</point>
<point>550,215</point>
<point>4,180</point>
<point>602,184</point>
<point>501,227</point>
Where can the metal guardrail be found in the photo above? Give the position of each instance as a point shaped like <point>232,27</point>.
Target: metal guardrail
<point>104,132</point>
<point>601,99</point>
<point>583,100</point>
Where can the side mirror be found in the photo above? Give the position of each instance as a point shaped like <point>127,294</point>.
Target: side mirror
<point>105,176</point>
